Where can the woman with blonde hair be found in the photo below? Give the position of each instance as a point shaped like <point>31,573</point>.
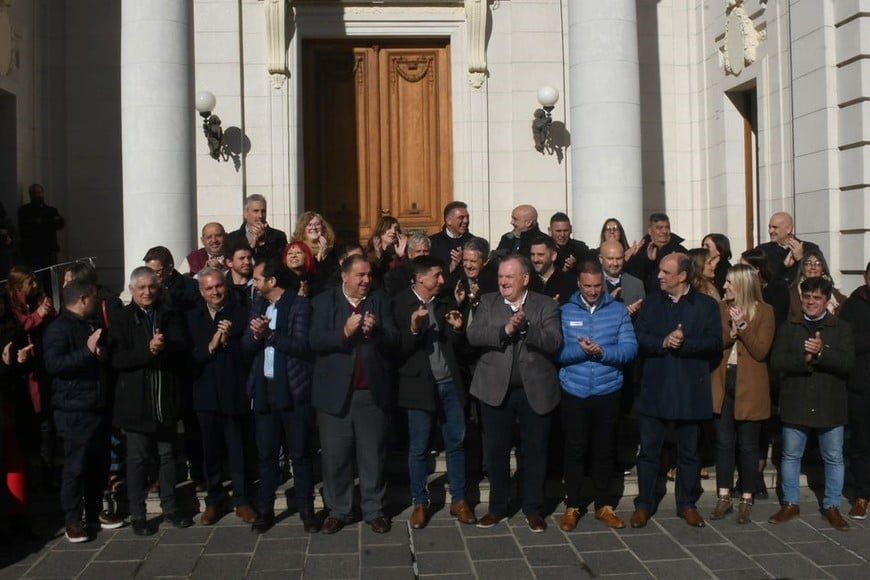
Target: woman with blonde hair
<point>741,388</point>
<point>316,233</point>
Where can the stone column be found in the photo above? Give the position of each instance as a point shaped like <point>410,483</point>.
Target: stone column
<point>158,124</point>
<point>605,127</point>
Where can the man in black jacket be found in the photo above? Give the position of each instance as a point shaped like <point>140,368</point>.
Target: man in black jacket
<point>431,385</point>
<point>264,240</point>
<point>447,244</point>
<point>656,244</point>
<point>148,346</point>
<point>39,224</point>
<point>220,399</point>
<point>75,357</point>
<point>524,220</point>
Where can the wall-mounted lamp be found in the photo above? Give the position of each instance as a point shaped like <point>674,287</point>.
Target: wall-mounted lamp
<point>548,97</point>
<point>211,124</point>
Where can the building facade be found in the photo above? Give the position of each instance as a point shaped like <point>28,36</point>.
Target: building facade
<point>718,112</point>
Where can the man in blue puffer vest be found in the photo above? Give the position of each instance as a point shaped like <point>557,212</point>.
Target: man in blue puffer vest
<point>597,342</point>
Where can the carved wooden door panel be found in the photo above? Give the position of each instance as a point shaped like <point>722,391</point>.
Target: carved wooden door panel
<point>376,133</point>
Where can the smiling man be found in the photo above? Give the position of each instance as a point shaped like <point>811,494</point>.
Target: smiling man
<point>519,334</point>
<point>264,240</point>
<point>814,352</point>
<point>658,242</point>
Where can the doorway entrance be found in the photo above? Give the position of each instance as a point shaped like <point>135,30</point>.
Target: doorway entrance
<point>377,133</point>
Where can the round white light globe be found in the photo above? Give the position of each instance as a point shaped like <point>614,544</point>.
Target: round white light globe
<point>205,102</point>
<point>548,96</point>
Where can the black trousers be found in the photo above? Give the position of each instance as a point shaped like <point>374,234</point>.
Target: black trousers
<point>498,424</point>
<point>859,443</point>
<point>221,432</point>
<point>141,448</point>
<point>85,463</point>
<point>743,435</point>
<point>589,427</point>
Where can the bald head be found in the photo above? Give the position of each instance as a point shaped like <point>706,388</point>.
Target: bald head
<point>524,217</point>
<point>212,238</point>
<point>612,256</point>
<point>780,227</point>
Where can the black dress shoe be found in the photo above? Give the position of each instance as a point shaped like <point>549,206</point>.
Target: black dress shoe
<point>380,525</point>
<point>331,525</point>
<point>178,520</point>
<point>141,527</point>
<point>310,522</point>
<point>263,523</point>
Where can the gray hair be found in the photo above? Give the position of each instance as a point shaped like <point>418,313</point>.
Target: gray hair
<point>418,239</point>
<point>209,271</point>
<point>144,272</point>
<point>252,198</point>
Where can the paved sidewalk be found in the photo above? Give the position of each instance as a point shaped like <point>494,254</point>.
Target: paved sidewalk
<point>666,548</point>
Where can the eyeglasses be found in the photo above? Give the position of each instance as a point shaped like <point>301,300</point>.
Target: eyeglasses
<point>611,229</point>
<point>813,263</point>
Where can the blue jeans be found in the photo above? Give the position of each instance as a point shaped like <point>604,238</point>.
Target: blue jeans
<point>452,430</point>
<point>794,441</point>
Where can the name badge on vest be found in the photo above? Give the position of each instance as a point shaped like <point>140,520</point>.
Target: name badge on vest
<point>575,323</point>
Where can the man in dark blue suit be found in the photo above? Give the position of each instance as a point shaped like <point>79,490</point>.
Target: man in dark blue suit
<point>354,339</point>
<point>680,334</point>
<point>220,399</point>
<point>280,382</point>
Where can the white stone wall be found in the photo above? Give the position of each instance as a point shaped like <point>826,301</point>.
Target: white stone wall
<point>495,164</point>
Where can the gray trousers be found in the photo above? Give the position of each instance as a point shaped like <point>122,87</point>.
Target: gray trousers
<point>359,433</point>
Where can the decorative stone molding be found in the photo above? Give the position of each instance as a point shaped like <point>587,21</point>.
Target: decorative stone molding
<point>8,50</point>
<point>740,46</point>
<point>276,39</point>
<point>476,14</point>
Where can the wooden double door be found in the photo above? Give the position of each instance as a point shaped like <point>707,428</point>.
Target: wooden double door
<point>377,133</point>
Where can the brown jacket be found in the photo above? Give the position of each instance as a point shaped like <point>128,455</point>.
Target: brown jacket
<point>752,392</point>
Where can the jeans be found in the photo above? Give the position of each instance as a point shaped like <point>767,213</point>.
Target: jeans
<point>498,439</point>
<point>746,434</point>
<point>794,441</point>
<point>652,436</point>
<point>452,430</point>
<point>296,425</point>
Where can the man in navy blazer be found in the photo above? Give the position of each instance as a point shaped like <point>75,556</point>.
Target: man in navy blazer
<point>680,334</point>
<point>355,341</point>
<point>220,398</point>
<point>280,385</point>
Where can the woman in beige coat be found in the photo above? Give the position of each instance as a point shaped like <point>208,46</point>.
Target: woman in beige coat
<point>741,389</point>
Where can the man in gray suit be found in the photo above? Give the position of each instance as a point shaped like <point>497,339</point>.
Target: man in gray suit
<point>519,334</point>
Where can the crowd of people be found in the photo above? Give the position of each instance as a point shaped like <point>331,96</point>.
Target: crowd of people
<point>260,349</point>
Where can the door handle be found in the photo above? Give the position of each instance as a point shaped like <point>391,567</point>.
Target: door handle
<point>385,211</point>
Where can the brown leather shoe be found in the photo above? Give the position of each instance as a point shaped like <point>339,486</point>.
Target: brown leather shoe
<point>569,519</point>
<point>380,525</point>
<point>639,518</point>
<point>859,509</point>
<point>211,515</point>
<point>724,506</point>
<point>419,517</point>
<point>787,512</point>
<point>331,525</point>
<point>832,514</point>
<point>692,517</point>
<point>463,512</point>
<point>246,513</point>
<point>744,511</point>
<point>536,524</point>
<point>488,520</point>
<point>606,514</point>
